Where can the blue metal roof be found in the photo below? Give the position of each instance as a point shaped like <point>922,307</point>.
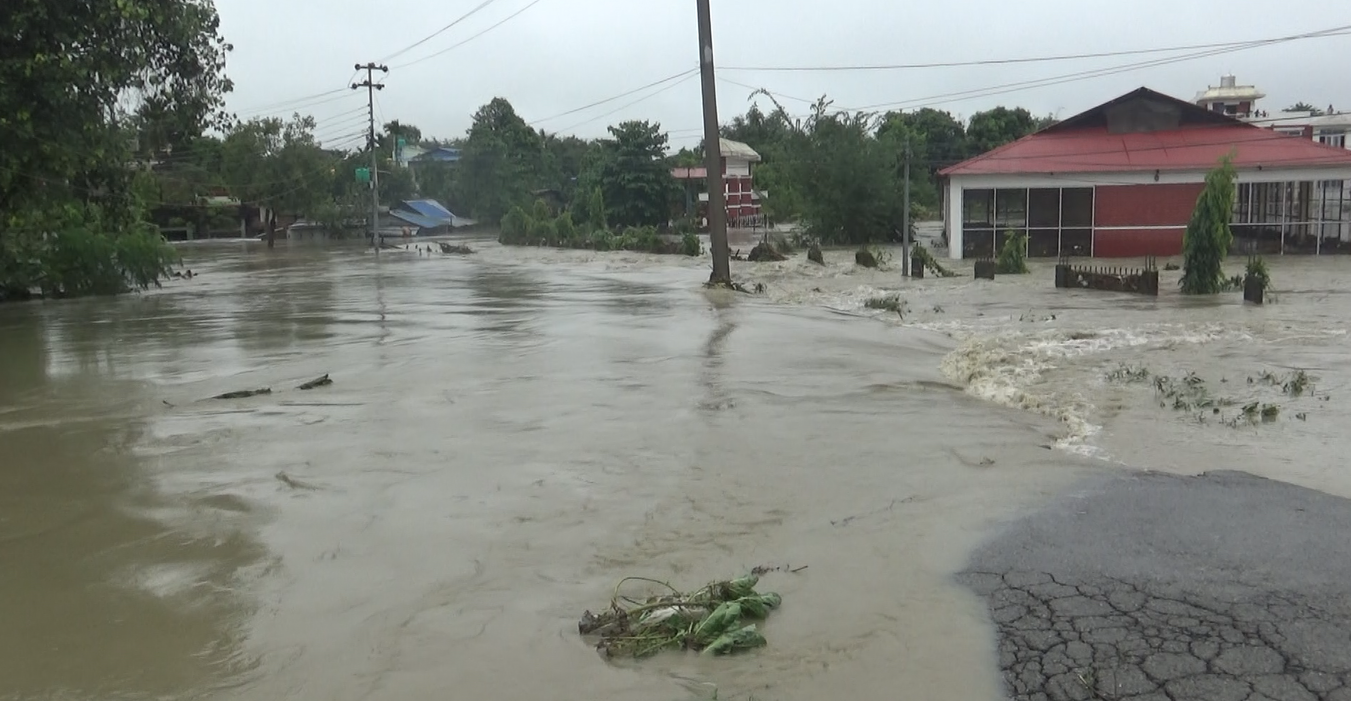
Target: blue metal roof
<point>431,208</point>
<point>444,154</point>
<point>416,219</point>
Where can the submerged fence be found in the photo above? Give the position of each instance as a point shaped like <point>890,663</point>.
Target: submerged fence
<point>1143,281</point>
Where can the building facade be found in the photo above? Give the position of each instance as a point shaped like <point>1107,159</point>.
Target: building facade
<point>744,210</point>
<point>1122,179</point>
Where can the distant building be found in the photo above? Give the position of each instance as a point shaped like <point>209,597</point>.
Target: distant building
<point>1122,179</point>
<point>743,200</point>
<point>1230,98</point>
<point>440,154</point>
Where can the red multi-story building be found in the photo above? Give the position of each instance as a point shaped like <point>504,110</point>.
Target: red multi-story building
<point>743,200</point>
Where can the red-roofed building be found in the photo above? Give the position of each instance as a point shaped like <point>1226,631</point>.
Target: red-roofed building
<point>1122,179</point>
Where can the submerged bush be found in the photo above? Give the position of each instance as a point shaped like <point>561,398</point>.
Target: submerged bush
<point>1013,256</point>
<point>690,246</point>
<point>79,257</point>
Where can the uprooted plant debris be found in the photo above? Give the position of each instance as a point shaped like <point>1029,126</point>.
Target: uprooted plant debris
<point>714,620</point>
<point>316,383</point>
<point>1192,394</point>
<point>244,394</point>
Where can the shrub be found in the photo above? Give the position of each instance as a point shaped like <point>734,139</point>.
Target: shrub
<point>1257,270</point>
<point>647,239</point>
<point>566,230</point>
<point>603,240</point>
<point>542,231</point>
<point>690,246</point>
<point>1206,241</point>
<point>515,227</point>
<point>1013,256</point>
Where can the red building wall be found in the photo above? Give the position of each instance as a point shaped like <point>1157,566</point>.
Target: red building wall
<point>1142,220</point>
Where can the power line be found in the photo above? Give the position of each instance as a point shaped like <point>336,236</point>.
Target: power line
<point>283,103</point>
<point>452,47</point>
<point>296,107</point>
<point>1006,61</point>
<point>622,95</point>
<point>630,104</point>
<point>1005,88</point>
<point>438,32</point>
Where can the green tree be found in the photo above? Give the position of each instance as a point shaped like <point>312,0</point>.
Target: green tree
<point>848,180</point>
<point>566,158</point>
<point>991,129</point>
<point>632,173</point>
<point>279,165</point>
<point>938,139</point>
<point>1208,237</point>
<point>500,163</point>
<point>80,83</point>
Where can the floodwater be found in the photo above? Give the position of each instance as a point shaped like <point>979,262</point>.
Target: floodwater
<point>509,434</point>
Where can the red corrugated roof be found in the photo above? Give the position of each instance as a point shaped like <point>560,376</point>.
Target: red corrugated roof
<point>1083,144</point>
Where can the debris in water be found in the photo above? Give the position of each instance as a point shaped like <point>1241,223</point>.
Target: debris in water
<point>712,620</point>
<point>294,483</point>
<point>316,383</point>
<point>244,394</point>
<point>450,249</point>
<point>764,252</point>
<point>763,570</point>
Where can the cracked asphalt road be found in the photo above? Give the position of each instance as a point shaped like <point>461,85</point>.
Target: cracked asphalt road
<point>1151,587</point>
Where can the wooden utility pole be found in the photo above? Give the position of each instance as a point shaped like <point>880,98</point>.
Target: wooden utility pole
<point>717,199</point>
<point>371,86</point>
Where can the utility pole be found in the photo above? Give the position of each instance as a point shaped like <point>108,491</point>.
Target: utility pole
<point>371,86</point>
<point>905,217</point>
<point>717,198</point>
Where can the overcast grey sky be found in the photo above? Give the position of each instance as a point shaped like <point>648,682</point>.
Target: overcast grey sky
<point>559,55</point>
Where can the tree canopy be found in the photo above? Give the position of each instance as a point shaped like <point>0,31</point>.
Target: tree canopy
<point>994,128</point>
<point>633,175</point>
<point>85,87</point>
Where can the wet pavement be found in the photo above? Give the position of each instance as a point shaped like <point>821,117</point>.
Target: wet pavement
<point>1150,587</point>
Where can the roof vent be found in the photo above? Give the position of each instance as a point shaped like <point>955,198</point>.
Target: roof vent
<point>1228,81</point>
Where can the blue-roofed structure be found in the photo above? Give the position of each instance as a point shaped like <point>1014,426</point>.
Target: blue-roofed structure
<point>443,154</point>
<point>429,216</point>
<point>415,219</point>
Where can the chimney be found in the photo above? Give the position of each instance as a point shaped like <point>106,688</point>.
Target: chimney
<point>1228,81</point>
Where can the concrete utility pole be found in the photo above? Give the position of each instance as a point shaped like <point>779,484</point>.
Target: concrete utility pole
<point>717,199</point>
<point>905,216</point>
<point>371,86</point>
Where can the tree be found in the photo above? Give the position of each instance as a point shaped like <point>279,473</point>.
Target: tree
<point>848,180</point>
<point>77,82</point>
<point>938,139</point>
<point>392,131</point>
<point>991,129</point>
<point>500,163</point>
<point>633,176</point>
<point>566,157</point>
<point>279,165</point>
<point>1208,237</point>
<point>1304,107</point>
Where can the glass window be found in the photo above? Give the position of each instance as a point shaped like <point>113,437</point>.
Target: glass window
<point>1043,208</point>
<point>1077,207</point>
<point>1010,208</point>
<point>977,208</point>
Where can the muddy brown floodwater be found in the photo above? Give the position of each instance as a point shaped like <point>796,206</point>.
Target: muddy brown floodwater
<point>509,434</point>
